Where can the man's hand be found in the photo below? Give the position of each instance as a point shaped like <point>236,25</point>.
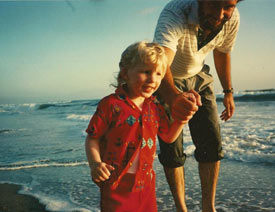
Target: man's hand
<point>185,105</point>
<point>229,105</point>
<point>100,171</point>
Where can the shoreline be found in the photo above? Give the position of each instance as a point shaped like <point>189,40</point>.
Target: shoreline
<point>248,183</point>
<point>12,201</point>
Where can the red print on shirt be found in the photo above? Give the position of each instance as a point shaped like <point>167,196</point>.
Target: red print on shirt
<point>122,129</point>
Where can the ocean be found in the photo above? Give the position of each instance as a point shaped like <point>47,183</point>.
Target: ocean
<point>42,149</point>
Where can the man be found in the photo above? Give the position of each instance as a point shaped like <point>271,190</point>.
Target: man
<point>189,30</point>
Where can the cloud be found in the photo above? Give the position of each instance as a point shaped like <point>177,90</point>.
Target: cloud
<point>96,0</point>
<point>70,5</point>
<point>148,10</point>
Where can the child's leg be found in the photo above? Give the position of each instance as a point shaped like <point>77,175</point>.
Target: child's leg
<point>123,199</point>
<point>120,199</point>
<point>148,200</point>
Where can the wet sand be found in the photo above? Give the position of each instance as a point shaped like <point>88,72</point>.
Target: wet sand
<point>11,201</point>
<point>242,187</point>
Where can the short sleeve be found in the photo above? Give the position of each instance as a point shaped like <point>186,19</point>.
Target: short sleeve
<point>169,30</point>
<point>99,122</point>
<point>231,29</point>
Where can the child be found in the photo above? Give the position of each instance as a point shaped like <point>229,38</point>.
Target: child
<point>121,140</point>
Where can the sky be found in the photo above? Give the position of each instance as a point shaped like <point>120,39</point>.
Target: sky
<point>69,50</point>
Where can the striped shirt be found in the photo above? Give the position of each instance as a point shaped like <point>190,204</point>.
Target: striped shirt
<point>177,29</point>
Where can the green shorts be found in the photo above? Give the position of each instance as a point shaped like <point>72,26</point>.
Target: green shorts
<point>204,126</point>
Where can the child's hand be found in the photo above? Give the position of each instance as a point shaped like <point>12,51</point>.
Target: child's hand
<point>185,105</point>
<point>101,171</point>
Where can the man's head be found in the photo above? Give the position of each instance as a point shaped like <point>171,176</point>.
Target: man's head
<point>213,14</point>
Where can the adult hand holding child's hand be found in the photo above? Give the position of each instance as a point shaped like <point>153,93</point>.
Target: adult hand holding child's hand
<point>185,105</point>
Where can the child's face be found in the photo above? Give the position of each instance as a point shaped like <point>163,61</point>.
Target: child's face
<point>143,80</point>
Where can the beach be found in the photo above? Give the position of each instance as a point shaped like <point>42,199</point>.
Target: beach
<point>241,188</point>
<point>43,163</point>
<point>11,201</point>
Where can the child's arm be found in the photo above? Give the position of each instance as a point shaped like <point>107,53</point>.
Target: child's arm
<point>100,171</point>
<point>174,131</point>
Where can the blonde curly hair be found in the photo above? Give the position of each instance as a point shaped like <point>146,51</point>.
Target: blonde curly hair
<point>141,52</point>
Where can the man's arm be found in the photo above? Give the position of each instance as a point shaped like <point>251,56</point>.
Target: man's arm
<point>223,68</point>
<point>183,104</point>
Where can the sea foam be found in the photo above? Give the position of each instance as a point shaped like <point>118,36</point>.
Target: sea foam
<point>40,165</point>
<point>79,117</point>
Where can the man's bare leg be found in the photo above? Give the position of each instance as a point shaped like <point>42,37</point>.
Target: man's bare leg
<point>209,173</point>
<point>175,179</point>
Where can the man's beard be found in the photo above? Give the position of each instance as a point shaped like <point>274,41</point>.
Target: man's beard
<point>206,25</point>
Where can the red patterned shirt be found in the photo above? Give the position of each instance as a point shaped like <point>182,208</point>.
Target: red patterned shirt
<point>123,129</point>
